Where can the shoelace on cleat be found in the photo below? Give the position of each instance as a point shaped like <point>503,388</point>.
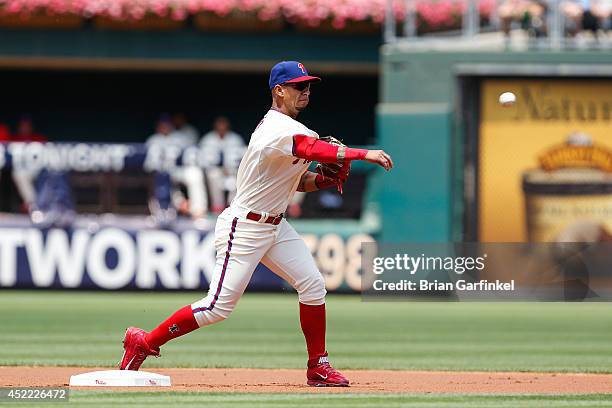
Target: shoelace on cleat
<point>329,369</point>
<point>139,359</point>
<point>141,356</point>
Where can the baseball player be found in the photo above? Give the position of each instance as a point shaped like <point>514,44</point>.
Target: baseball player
<point>228,147</point>
<point>252,229</point>
<point>191,176</point>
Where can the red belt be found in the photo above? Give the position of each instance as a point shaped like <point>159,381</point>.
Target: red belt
<point>253,216</point>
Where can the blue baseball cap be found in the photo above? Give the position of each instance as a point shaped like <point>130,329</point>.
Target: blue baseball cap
<point>289,72</point>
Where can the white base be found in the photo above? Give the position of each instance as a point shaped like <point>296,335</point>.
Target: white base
<point>120,378</point>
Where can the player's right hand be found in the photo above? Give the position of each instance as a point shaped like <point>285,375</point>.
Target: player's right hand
<point>381,158</point>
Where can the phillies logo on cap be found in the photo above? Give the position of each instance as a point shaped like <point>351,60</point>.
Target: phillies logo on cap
<point>290,72</point>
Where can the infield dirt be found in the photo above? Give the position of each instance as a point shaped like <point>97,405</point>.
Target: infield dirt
<point>362,381</point>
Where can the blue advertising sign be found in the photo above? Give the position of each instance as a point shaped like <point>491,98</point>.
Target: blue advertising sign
<point>112,257</point>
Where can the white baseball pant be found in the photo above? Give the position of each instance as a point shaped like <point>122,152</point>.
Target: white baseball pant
<point>215,178</point>
<point>241,244</point>
<point>193,178</point>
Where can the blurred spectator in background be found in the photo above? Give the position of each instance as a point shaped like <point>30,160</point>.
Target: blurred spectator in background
<point>587,15</point>
<point>25,179</point>
<point>602,10</point>
<point>189,132</point>
<point>573,11</point>
<point>227,149</point>
<point>166,135</point>
<point>46,193</point>
<point>5,134</point>
<point>192,177</point>
<point>530,14</point>
<point>54,205</point>
<point>25,131</point>
<point>294,210</point>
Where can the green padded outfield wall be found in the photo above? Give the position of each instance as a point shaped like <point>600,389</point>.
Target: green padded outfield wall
<point>417,122</point>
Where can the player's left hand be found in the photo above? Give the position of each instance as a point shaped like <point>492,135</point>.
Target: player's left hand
<point>334,171</point>
<point>381,158</point>
<point>339,173</point>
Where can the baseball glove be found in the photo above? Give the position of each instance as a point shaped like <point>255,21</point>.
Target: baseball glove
<point>338,171</point>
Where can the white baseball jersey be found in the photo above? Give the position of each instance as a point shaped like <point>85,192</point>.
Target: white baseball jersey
<point>269,174</point>
<point>213,140</point>
<point>175,138</point>
<point>224,151</point>
<point>267,178</point>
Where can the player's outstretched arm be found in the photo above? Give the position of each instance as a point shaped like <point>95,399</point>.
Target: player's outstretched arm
<point>379,157</point>
<point>311,148</point>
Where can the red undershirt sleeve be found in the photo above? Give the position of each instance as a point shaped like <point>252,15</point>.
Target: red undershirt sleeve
<point>311,148</point>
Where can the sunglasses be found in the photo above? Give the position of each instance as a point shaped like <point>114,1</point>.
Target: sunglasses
<point>300,86</point>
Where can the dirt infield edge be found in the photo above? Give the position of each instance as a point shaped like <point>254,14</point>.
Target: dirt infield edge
<point>362,381</point>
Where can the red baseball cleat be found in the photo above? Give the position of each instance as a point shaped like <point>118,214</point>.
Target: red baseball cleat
<point>321,374</point>
<point>136,349</point>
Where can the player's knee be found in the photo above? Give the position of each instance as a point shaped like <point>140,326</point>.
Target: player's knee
<point>311,291</point>
<point>225,310</point>
<point>211,311</point>
<point>218,314</point>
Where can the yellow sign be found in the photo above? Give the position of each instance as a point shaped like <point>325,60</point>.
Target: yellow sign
<point>568,156</point>
<point>531,152</point>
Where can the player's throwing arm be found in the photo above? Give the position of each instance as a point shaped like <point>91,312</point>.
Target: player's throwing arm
<point>311,148</point>
<point>379,157</point>
<point>334,159</point>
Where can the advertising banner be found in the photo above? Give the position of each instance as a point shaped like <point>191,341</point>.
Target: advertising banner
<point>96,157</point>
<point>545,163</point>
<point>114,252</point>
<point>112,257</point>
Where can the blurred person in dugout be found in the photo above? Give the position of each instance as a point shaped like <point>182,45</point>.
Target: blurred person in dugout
<point>224,150</point>
<point>25,179</point>
<point>189,132</point>
<point>530,14</point>
<point>5,133</point>
<point>192,177</point>
<point>587,15</point>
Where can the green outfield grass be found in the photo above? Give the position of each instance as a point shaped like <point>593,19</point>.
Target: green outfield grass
<point>85,328</point>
